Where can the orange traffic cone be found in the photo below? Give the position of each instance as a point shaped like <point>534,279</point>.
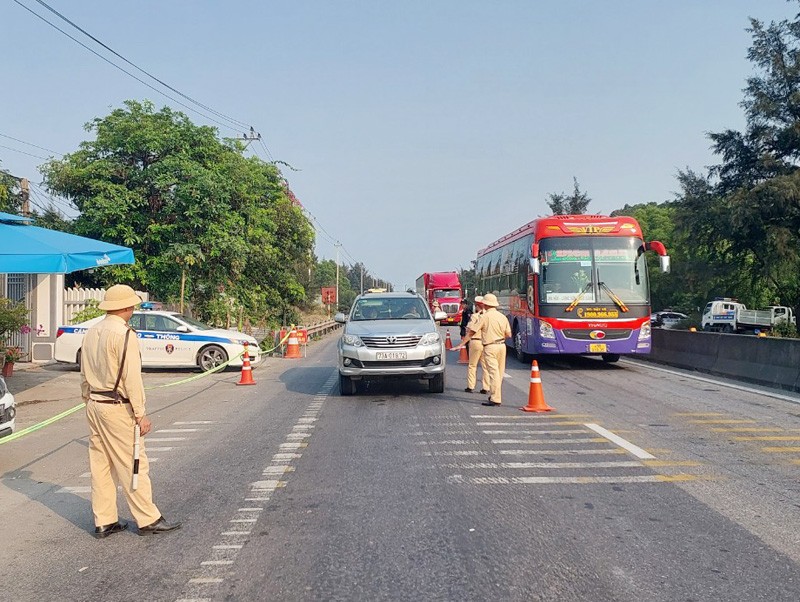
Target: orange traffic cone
<point>463,356</point>
<point>292,346</point>
<point>448,344</point>
<point>536,401</point>
<point>247,370</point>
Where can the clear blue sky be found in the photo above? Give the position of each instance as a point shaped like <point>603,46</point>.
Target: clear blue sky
<point>423,129</point>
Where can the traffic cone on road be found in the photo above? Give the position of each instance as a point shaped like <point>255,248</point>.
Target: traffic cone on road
<point>463,356</point>
<point>247,370</point>
<point>536,401</point>
<point>292,346</point>
<point>448,344</point>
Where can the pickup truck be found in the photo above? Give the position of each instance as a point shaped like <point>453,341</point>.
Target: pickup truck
<point>728,315</point>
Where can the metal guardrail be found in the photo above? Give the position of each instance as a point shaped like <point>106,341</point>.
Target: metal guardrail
<point>321,329</point>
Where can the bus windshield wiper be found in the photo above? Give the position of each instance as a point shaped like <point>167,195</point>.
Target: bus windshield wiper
<point>613,296</point>
<point>577,299</point>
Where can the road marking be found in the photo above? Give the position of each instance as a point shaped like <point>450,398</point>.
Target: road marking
<point>529,417</point>
<point>195,422</point>
<point>722,421</point>
<point>581,480</point>
<point>556,452</point>
<point>781,449</point>
<point>554,423</point>
<point>277,470</point>
<point>747,429</point>
<point>250,509</point>
<point>282,457</point>
<point>233,546</point>
<point>216,562</point>
<point>178,431</point>
<point>86,475</point>
<point>698,414</point>
<point>243,520</point>
<point>662,463</point>
<point>264,485</point>
<point>164,439</point>
<point>623,443</point>
<point>292,445</point>
<point>80,489</point>
<point>547,441</point>
<point>542,432</point>
<point>529,465</point>
<point>228,533</point>
<point>206,580</point>
<point>159,449</point>
<point>769,438</point>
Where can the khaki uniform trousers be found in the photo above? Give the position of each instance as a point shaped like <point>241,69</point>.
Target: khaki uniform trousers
<point>476,356</point>
<point>111,462</point>
<point>495,355</point>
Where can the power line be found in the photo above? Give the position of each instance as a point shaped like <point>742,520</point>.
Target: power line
<point>113,64</point>
<point>49,150</point>
<point>135,66</point>
<point>16,150</point>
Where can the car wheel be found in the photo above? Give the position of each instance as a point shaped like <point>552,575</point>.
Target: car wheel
<point>211,357</point>
<point>522,356</point>
<point>78,359</point>
<point>436,384</point>
<point>347,386</point>
<point>610,358</point>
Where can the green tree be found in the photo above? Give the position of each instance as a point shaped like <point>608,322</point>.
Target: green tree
<point>574,204</point>
<point>10,200</point>
<point>152,180</point>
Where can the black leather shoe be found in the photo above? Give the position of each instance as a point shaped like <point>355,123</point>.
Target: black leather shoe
<point>160,526</point>
<point>484,391</point>
<point>106,530</point>
<point>489,403</point>
<point>468,390</point>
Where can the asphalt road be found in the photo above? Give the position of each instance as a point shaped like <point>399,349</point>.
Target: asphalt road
<point>644,484</point>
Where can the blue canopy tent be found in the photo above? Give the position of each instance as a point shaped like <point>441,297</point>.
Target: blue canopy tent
<point>27,249</point>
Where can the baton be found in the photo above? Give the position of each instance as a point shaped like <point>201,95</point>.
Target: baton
<point>136,434</point>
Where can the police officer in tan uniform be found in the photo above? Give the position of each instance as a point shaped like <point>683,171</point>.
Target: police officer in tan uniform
<point>112,388</point>
<point>493,331</point>
<point>475,350</point>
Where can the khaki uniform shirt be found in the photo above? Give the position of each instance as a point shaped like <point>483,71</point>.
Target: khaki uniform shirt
<point>101,354</point>
<point>474,321</point>
<point>493,327</point>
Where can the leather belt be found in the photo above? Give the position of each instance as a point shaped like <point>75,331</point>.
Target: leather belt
<point>495,342</point>
<point>120,399</point>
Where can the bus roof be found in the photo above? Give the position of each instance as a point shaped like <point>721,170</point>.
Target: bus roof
<point>570,225</point>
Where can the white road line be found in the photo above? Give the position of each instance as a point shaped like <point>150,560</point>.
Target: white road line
<point>193,600</point>
<point>257,499</point>
<point>228,533</point>
<point>528,465</point>
<point>543,432</point>
<point>206,580</point>
<point>159,449</point>
<point>243,520</point>
<point>290,436</point>
<point>281,457</point>
<point>451,442</point>
<point>86,475</point>
<point>292,445</point>
<point>216,562</point>
<point>195,422</point>
<point>277,470</point>
<point>543,441</point>
<point>565,480</point>
<point>235,546</point>
<point>556,452</point>
<point>165,439</point>
<point>623,443</point>
<point>81,489</point>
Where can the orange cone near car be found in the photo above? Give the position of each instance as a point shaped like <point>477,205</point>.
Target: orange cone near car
<point>536,401</point>
<point>448,344</point>
<point>293,345</point>
<point>247,370</point>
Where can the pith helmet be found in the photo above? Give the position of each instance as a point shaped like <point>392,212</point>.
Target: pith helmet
<point>119,296</point>
<point>489,300</point>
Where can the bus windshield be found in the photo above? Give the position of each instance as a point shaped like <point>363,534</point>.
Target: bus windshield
<point>593,269</point>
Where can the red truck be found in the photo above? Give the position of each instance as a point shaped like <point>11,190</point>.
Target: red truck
<point>445,288</point>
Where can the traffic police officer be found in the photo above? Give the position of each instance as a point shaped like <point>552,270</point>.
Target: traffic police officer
<point>112,388</point>
<point>493,331</point>
<point>475,348</point>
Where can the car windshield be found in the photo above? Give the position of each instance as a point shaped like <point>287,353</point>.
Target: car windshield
<point>194,323</point>
<point>390,309</point>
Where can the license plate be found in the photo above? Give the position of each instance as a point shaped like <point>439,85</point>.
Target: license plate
<point>597,347</point>
<point>390,355</point>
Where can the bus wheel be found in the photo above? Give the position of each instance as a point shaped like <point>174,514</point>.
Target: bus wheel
<point>610,358</point>
<point>522,356</point>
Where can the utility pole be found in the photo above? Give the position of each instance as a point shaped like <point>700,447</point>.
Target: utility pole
<point>337,245</point>
<point>248,139</point>
<point>24,186</point>
<point>362,278</point>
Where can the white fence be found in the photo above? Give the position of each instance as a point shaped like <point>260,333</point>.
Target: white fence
<point>77,299</point>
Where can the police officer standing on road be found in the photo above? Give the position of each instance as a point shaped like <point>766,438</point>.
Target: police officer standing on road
<point>475,350</point>
<point>493,331</point>
<point>112,388</point>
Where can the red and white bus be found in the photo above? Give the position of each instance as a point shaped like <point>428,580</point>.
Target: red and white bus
<point>573,284</point>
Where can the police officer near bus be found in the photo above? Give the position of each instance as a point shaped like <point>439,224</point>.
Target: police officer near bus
<point>475,351</point>
<point>493,331</point>
<point>112,388</point>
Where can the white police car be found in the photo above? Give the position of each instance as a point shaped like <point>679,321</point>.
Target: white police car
<point>7,410</point>
<point>168,340</point>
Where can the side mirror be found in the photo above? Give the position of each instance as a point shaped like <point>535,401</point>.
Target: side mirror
<point>535,265</point>
<point>664,259</point>
<point>340,317</point>
<point>182,328</point>
<point>439,315</point>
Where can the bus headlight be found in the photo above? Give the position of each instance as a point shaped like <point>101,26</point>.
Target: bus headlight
<point>546,330</point>
<point>644,333</point>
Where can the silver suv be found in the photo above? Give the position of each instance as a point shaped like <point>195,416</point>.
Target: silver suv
<point>390,335</point>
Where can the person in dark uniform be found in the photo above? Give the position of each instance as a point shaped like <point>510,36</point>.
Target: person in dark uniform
<point>466,314</point>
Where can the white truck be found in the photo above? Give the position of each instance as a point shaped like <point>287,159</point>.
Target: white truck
<point>728,315</point>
